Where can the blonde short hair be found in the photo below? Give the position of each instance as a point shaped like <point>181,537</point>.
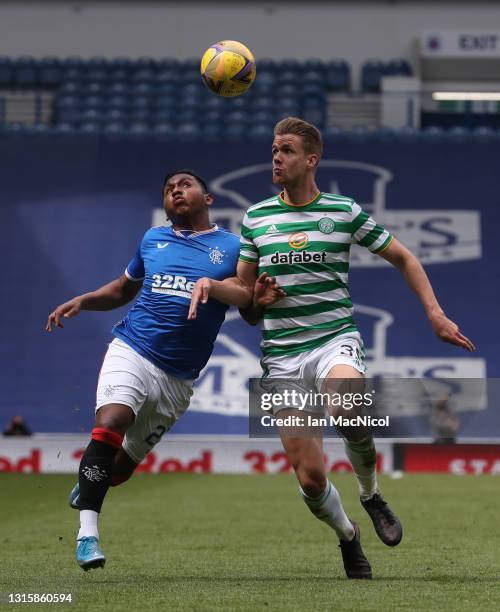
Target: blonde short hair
<point>309,134</point>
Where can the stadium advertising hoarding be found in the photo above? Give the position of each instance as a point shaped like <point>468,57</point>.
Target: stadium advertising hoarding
<point>458,459</point>
<point>435,197</point>
<point>224,455</point>
<point>55,454</point>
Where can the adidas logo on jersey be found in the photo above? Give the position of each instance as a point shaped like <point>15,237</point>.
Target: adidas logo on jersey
<point>272,229</point>
<point>293,257</point>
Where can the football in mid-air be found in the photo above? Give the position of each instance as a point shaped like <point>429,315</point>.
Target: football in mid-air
<point>228,68</point>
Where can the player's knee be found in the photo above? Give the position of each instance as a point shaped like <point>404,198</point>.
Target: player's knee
<point>115,418</point>
<point>312,480</point>
<point>113,425</point>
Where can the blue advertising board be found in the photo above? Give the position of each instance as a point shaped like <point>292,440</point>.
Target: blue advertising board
<point>74,211</point>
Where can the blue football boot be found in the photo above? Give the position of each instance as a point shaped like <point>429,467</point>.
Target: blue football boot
<point>74,496</point>
<point>88,553</point>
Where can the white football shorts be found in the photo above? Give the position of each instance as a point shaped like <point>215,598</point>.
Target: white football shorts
<point>306,371</point>
<point>157,398</point>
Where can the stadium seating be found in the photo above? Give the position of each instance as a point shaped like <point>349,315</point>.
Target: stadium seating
<point>371,76</point>
<point>267,78</point>
<point>25,72</point>
<point>116,115</point>
<point>458,134</point>
<point>89,95</point>
<point>290,106</point>
<point>49,72</point>
<point>433,134</point>
<point>6,71</point>
<point>93,102</point>
<point>373,71</point>
<point>260,132</point>
<point>213,131</point>
<point>485,134</point>
<point>172,126</point>
<point>397,67</point>
<point>289,77</point>
<point>289,64</point>
<point>235,132</point>
<point>313,109</point>
<point>338,76</point>
<point>114,127</point>
<point>188,131</point>
<point>236,117</point>
<point>408,134</point>
<point>164,128</point>
<point>72,68</point>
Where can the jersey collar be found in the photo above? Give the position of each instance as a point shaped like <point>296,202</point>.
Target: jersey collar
<point>181,233</point>
<point>304,206</point>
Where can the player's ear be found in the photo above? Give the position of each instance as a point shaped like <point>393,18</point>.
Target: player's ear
<point>312,160</point>
<point>209,199</point>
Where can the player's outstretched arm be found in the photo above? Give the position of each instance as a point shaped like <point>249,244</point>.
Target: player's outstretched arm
<point>116,293</point>
<point>235,291</point>
<point>238,291</point>
<point>414,274</point>
<point>266,292</point>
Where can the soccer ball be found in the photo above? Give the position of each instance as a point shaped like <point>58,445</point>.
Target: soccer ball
<point>228,68</point>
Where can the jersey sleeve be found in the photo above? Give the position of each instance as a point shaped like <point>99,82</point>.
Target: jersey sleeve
<point>135,269</point>
<point>248,250</point>
<point>366,232</point>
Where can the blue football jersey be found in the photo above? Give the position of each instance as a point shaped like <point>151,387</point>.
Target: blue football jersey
<point>170,262</point>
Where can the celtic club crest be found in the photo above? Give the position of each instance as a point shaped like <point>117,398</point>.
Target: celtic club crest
<point>326,225</point>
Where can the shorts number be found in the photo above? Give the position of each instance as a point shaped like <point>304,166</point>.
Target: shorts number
<point>352,352</point>
<point>347,349</point>
<point>156,435</point>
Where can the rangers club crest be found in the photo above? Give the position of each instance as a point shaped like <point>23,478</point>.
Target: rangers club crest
<point>94,474</point>
<point>216,255</point>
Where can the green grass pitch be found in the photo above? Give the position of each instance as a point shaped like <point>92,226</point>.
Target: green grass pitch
<point>198,542</point>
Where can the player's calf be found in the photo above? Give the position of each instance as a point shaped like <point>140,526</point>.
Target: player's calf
<point>94,480</point>
<point>123,468</point>
<point>96,468</point>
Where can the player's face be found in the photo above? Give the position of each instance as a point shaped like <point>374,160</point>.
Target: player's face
<point>183,196</point>
<point>290,161</point>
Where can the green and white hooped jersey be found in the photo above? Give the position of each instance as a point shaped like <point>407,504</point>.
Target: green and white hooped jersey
<point>307,249</point>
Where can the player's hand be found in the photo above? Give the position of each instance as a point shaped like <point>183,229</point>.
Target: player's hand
<point>448,331</point>
<point>201,292</point>
<point>267,291</point>
<point>66,311</point>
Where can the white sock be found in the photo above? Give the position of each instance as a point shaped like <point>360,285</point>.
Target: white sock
<point>363,458</point>
<point>328,508</point>
<point>88,524</point>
